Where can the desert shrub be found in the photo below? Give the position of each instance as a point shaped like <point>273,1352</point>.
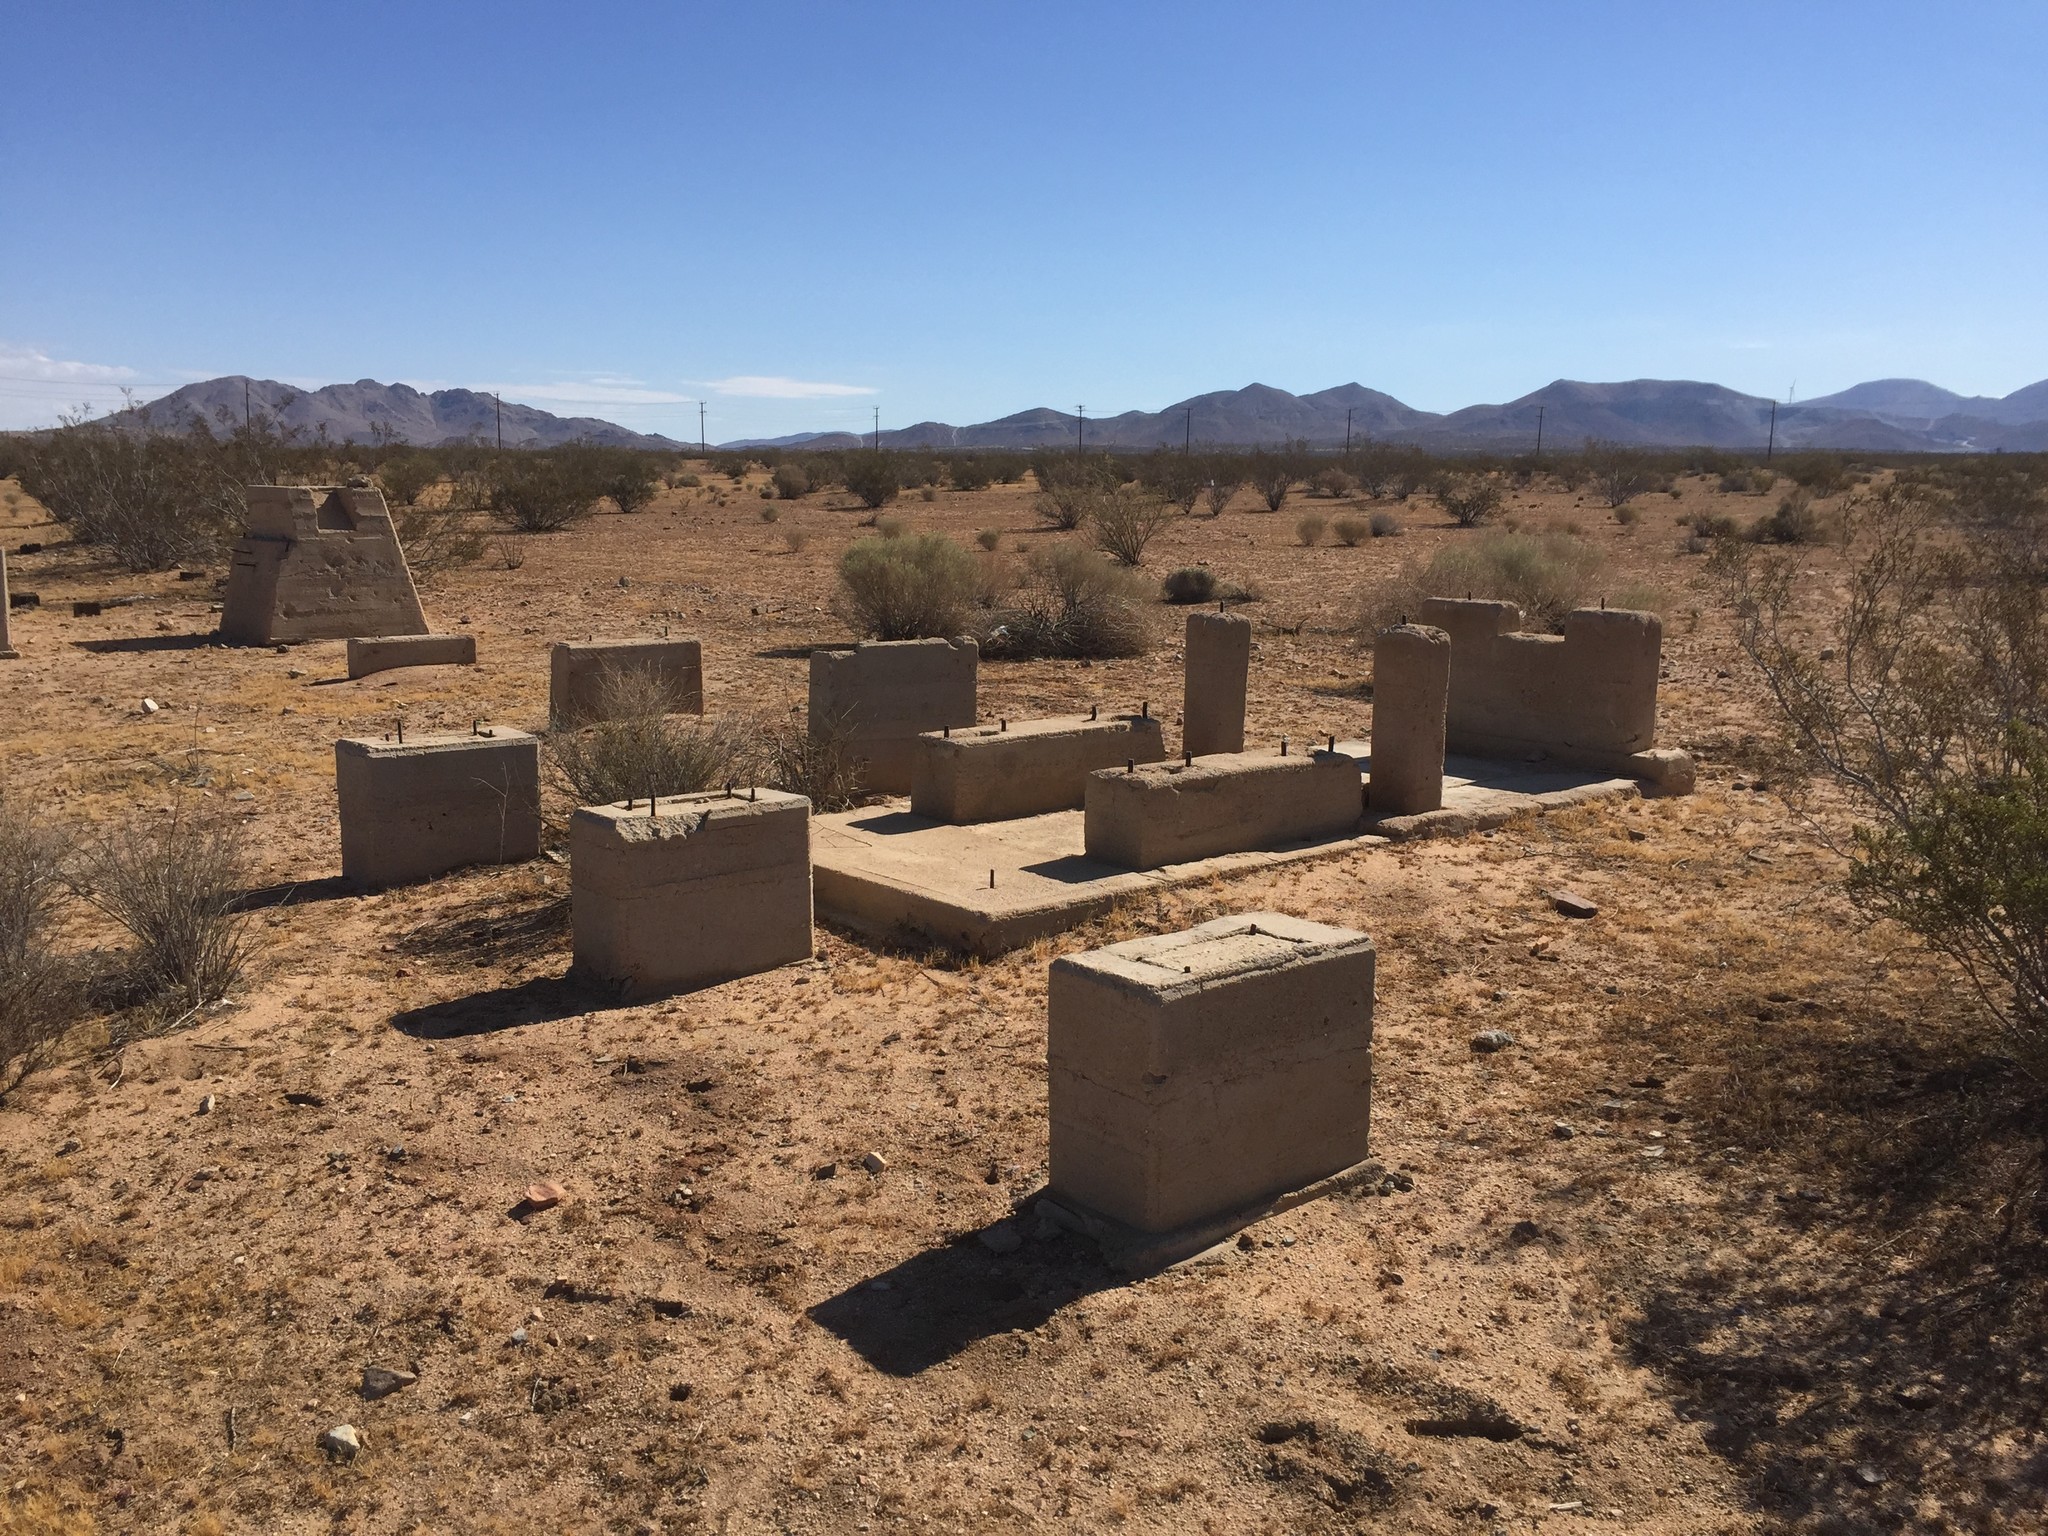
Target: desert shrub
<point>1794,521</point>
<point>1068,489</point>
<point>1928,708</point>
<point>1470,499</point>
<point>1219,493</point>
<point>1073,604</point>
<point>813,758</point>
<point>547,490</point>
<point>1335,482</point>
<point>175,884</point>
<point>794,540</point>
<point>891,527</point>
<point>771,513</point>
<point>1823,474</point>
<point>913,588</point>
<point>1351,531</point>
<point>969,474</point>
<point>639,749</point>
<point>1546,575</point>
<point>36,986</point>
<point>873,478</point>
<point>436,539</point>
<point>1309,529</point>
<point>1273,483</point>
<point>149,499</point>
<point>1124,519</point>
<point>1617,475</point>
<point>405,476</point>
<point>927,493</point>
<point>629,477</point>
<point>1173,477</point>
<point>1385,525</point>
<point>1628,516</point>
<point>989,539</point>
<point>790,481</point>
<point>686,481</point>
<point>1189,584</point>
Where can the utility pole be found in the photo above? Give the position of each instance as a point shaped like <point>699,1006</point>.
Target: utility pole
<point>501,420</point>
<point>1347,430</point>
<point>878,429</point>
<point>703,444</point>
<point>1771,443</point>
<point>1539,431</point>
<point>1187,439</point>
<point>245,405</point>
<point>1078,419</point>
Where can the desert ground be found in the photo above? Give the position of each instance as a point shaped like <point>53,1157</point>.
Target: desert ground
<point>1715,1246</point>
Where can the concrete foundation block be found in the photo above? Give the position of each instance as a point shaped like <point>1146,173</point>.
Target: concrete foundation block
<point>1411,688</point>
<point>416,809</point>
<point>7,650</point>
<point>884,694</point>
<point>1218,667</point>
<point>382,653</point>
<point>1172,813</point>
<point>318,563</point>
<point>578,672</point>
<point>706,888</point>
<point>1023,767</point>
<point>1195,1074</point>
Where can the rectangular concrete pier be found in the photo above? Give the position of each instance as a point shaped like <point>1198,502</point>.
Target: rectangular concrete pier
<point>1169,813</point>
<point>415,809</point>
<point>382,653</point>
<point>1194,1074</point>
<point>706,888</point>
<point>883,695</point>
<point>578,672</point>
<point>1024,768</point>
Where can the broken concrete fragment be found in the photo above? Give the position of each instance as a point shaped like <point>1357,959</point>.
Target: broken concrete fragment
<point>1570,904</point>
<point>874,1162</point>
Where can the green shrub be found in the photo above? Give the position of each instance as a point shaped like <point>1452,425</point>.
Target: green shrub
<point>1189,584</point>
<point>814,758</point>
<point>628,477</point>
<point>969,474</point>
<point>1273,484</point>
<point>913,588</point>
<point>1068,489</point>
<point>989,539</point>
<point>546,490</point>
<point>1470,499</point>
<point>790,481</point>
<point>1074,604</point>
<point>1618,474</point>
<point>404,476</point>
<point>1545,575</point>
<point>149,499</point>
<point>873,478</point>
<point>1335,482</point>
<point>1219,493</point>
<point>1794,521</point>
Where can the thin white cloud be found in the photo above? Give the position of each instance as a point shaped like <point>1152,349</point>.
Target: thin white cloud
<point>757,386</point>
<point>23,363</point>
<point>585,392</point>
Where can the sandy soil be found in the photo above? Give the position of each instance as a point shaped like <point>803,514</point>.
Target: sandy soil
<point>1655,1272</point>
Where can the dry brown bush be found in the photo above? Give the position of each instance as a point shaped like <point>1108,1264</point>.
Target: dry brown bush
<point>637,747</point>
<point>36,986</point>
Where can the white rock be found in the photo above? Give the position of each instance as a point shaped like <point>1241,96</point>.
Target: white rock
<point>341,1441</point>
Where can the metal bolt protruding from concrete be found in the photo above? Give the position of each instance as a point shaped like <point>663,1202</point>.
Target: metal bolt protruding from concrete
<point>991,879</point>
<point>1002,724</point>
<point>1333,743</point>
<point>1145,709</point>
<point>401,730</point>
<point>1130,765</point>
<point>1283,746</point>
<point>949,732</point>
<point>1187,758</point>
<point>1091,710</point>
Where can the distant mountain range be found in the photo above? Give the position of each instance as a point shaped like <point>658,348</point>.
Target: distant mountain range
<point>1894,415</point>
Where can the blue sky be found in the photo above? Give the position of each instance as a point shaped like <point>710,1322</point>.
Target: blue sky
<point>803,212</point>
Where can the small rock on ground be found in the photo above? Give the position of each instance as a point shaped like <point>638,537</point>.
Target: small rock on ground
<point>341,1441</point>
<point>1571,904</point>
<point>382,1381</point>
<point>1487,1041</point>
<point>1003,1237</point>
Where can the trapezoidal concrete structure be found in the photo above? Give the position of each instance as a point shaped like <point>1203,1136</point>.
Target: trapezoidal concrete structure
<point>691,890</point>
<point>1588,696</point>
<point>1217,670</point>
<point>582,673</point>
<point>384,653</point>
<point>1174,812</point>
<point>882,695</point>
<point>1411,687</point>
<point>318,563</point>
<point>1023,767</point>
<point>418,808</point>
<point>1197,1074</point>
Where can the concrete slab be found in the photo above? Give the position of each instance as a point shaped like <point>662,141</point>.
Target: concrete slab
<point>908,879</point>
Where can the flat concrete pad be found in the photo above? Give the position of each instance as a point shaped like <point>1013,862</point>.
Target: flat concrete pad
<point>905,878</point>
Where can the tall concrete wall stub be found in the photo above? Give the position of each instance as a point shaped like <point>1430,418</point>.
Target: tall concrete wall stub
<point>706,888</point>
<point>1411,688</point>
<point>885,694</point>
<point>1193,1074</point>
<point>579,674</point>
<point>318,563</point>
<point>1023,767</point>
<point>382,653</point>
<point>1589,693</point>
<point>1218,669</point>
<point>1175,812</point>
<point>416,809</point>
<point>7,650</point>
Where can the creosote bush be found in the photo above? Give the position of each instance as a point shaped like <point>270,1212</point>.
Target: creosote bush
<point>874,478</point>
<point>1469,499</point>
<point>914,587</point>
<point>989,539</point>
<point>638,748</point>
<point>791,483</point>
<point>813,758</point>
<point>1219,493</point>
<point>37,988</point>
<point>175,883</point>
<point>1189,584</point>
<point>1124,519</point>
<point>1073,604</point>
<point>1546,575</point>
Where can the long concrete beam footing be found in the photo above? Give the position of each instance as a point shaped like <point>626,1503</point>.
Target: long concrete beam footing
<point>1023,767</point>
<point>1169,813</point>
<point>414,809</point>
<point>382,653</point>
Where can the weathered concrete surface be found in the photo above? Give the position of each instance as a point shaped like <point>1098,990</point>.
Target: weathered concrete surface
<point>318,563</point>
<point>707,888</point>
<point>1170,813</point>
<point>1587,697</point>
<point>578,672</point>
<point>414,810</point>
<point>1024,767</point>
<point>7,650</point>
<point>1411,686</point>
<point>382,653</point>
<point>1192,1074</point>
<point>885,694</point>
<point>1217,669</point>
<point>906,879</point>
